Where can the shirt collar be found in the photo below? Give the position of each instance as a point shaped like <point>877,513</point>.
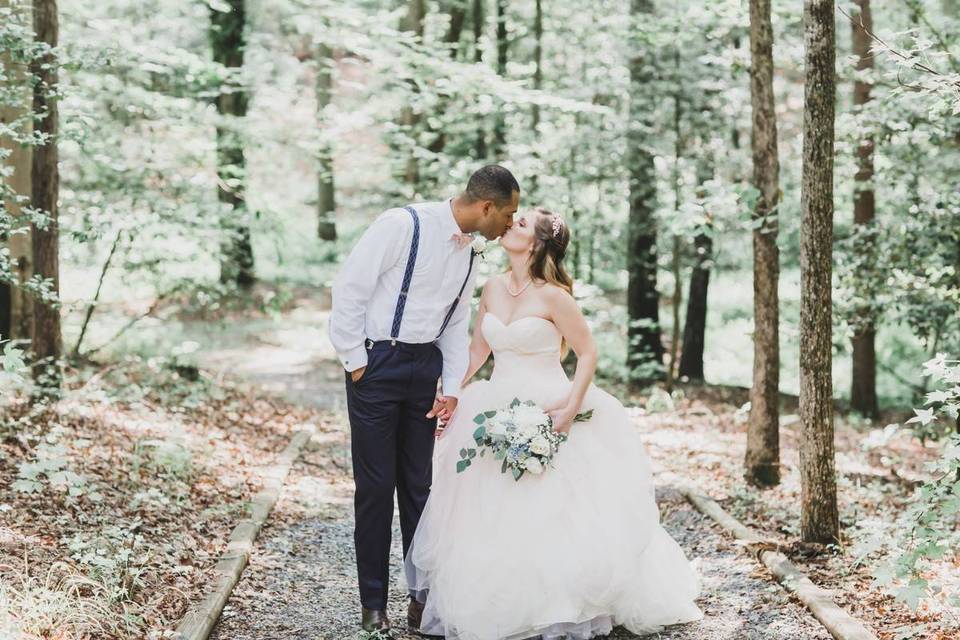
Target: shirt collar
<point>450,225</point>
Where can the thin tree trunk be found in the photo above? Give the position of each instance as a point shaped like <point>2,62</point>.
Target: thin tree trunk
<point>326,195</point>
<point>538,85</point>
<point>96,296</point>
<point>537,62</point>
<point>762,460</point>
<point>458,14</point>
<point>863,387</point>
<point>644,348</point>
<point>16,304</point>
<point>412,22</point>
<point>677,297</point>
<point>695,324</point>
<point>819,520</point>
<point>47,341</point>
<point>478,24</point>
<point>227,39</point>
<point>499,124</point>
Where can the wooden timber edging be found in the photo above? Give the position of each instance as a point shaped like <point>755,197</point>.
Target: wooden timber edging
<point>200,619</point>
<point>835,619</point>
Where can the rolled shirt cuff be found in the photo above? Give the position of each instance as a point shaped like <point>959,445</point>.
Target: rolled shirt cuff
<point>354,358</point>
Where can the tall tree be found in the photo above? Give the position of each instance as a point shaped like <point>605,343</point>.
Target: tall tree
<point>478,23</point>
<point>16,304</point>
<point>819,521</point>
<point>412,22</point>
<point>645,347</point>
<point>326,197</point>
<point>695,324</point>
<point>537,60</point>
<point>458,15</point>
<point>863,384</point>
<point>228,41</point>
<point>47,342</point>
<point>762,460</point>
<point>499,123</point>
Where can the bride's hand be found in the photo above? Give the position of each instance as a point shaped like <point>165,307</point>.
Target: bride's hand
<point>562,418</point>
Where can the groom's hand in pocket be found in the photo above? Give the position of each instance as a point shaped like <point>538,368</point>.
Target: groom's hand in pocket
<point>356,374</point>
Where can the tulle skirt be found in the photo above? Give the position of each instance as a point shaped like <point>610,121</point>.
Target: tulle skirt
<point>566,554</point>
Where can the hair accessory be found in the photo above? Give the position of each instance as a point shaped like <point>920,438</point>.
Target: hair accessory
<point>557,223</point>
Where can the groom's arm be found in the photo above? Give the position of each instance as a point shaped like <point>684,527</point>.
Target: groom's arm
<point>455,343</point>
<point>378,249</point>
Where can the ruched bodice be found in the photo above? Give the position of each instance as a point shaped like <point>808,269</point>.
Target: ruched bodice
<point>523,347</point>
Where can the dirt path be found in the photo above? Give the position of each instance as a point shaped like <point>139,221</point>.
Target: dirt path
<point>301,581</point>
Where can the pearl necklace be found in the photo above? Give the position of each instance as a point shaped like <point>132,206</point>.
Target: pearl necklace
<point>522,289</point>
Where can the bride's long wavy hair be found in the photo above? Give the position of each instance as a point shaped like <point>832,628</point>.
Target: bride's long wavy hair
<point>551,237</point>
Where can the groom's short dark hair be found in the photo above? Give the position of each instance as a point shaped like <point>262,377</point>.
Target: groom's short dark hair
<point>492,182</point>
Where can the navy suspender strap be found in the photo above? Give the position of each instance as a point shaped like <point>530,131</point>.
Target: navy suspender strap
<point>407,276</point>
<point>453,307</point>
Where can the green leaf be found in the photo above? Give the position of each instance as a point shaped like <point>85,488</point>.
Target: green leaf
<point>479,434</point>
<point>515,402</point>
<point>480,418</point>
<point>489,414</point>
<point>583,417</point>
<point>462,465</point>
<point>517,473</point>
<point>503,467</point>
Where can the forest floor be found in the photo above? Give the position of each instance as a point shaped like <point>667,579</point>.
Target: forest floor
<point>166,456</point>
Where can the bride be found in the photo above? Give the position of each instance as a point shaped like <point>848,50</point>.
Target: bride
<point>576,550</point>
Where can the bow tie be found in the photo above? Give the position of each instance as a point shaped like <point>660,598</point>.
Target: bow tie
<point>463,239</point>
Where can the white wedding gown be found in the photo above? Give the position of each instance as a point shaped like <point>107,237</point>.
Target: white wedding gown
<point>566,554</point>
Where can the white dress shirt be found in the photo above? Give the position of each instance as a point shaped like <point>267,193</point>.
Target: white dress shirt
<point>366,288</point>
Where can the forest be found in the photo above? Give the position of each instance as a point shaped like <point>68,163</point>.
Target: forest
<point>764,203</point>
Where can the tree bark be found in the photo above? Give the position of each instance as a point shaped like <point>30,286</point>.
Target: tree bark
<point>478,24</point>
<point>645,347</point>
<point>228,42</point>
<point>458,14</point>
<point>762,459</point>
<point>863,384</point>
<point>47,342</point>
<point>819,520</point>
<point>412,22</point>
<point>695,324</point>
<point>499,123</point>
<point>16,304</point>
<point>326,195</point>
<point>537,63</point>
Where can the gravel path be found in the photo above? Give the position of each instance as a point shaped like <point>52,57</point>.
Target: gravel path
<point>301,581</point>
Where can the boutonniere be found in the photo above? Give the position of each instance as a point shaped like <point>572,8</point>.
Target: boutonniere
<point>479,245</point>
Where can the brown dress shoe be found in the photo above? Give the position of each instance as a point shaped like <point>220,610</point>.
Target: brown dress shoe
<point>414,615</point>
<point>374,620</point>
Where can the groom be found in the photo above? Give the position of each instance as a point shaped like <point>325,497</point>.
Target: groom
<point>400,319</point>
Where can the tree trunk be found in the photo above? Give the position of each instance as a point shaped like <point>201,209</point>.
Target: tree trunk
<point>863,387</point>
<point>16,305</point>
<point>695,324</point>
<point>677,297</point>
<point>644,348</point>
<point>499,124</point>
<point>819,520</point>
<point>458,14</point>
<point>412,22</point>
<point>478,24</point>
<point>326,196</point>
<point>227,39</point>
<point>762,460</point>
<point>537,63</point>
<point>47,342</point>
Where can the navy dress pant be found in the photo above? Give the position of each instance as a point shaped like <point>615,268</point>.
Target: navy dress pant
<point>392,448</point>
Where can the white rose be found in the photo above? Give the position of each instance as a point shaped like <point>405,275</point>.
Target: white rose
<point>540,446</point>
<point>478,244</point>
<point>533,466</point>
<point>497,426</point>
<point>529,415</point>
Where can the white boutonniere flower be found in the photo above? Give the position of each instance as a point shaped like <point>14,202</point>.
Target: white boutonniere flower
<point>479,245</point>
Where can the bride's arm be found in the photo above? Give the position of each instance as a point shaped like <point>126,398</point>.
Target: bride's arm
<point>479,349</point>
<point>570,321</point>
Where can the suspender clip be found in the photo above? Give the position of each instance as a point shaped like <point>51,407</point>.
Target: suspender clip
<point>393,342</point>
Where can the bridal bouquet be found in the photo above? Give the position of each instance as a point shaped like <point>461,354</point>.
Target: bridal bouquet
<point>521,435</point>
